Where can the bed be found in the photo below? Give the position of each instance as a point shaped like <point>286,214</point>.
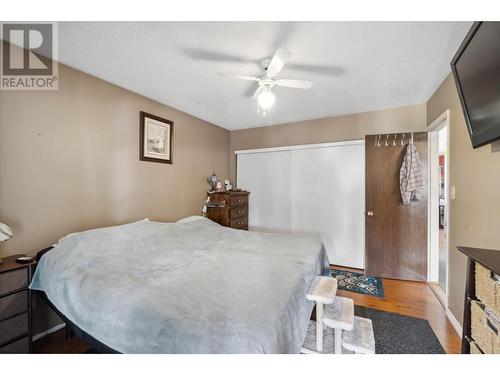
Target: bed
<point>187,287</point>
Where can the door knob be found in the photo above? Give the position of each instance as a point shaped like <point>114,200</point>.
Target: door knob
<point>370,213</point>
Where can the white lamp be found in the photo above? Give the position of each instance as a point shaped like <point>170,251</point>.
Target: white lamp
<point>5,234</point>
<point>265,100</point>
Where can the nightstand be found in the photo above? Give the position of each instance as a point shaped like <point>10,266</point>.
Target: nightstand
<point>15,306</point>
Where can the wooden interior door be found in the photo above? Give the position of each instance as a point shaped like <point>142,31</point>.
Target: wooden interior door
<point>396,234</point>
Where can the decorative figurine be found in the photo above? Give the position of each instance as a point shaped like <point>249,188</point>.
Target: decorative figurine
<point>213,180</point>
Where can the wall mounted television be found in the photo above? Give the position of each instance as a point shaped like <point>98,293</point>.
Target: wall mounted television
<point>476,70</point>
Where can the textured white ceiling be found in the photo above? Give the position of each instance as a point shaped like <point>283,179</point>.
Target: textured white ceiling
<point>355,66</point>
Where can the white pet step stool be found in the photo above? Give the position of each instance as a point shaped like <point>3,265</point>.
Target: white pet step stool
<point>322,291</point>
<point>340,316</point>
<point>309,345</point>
<point>360,339</point>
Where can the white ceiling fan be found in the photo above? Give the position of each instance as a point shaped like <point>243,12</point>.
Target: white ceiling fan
<point>263,93</point>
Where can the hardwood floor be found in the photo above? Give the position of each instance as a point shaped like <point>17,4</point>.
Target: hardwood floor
<point>404,297</point>
<point>438,291</point>
<point>56,343</point>
<point>413,299</point>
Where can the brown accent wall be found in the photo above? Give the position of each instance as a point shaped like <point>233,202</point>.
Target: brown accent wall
<point>341,128</point>
<point>69,161</point>
<point>475,211</point>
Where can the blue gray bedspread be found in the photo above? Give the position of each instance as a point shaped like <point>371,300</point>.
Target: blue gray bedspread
<point>186,287</point>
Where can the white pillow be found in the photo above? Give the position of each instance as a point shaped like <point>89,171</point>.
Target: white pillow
<point>191,218</point>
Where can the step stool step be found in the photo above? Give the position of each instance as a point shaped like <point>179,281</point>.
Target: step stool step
<point>360,339</point>
<point>309,346</point>
<point>339,314</point>
<point>322,289</point>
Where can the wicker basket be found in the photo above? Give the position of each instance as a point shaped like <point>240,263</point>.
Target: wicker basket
<point>487,288</point>
<point>484,331</point>
<point>474,349</point>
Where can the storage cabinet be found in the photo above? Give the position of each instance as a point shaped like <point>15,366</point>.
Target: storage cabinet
<point>481,325</point>
<point>15,306</point>
<point>229,208</point>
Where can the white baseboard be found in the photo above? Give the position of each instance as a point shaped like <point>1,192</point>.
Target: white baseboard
<point>454,322</point>
<point>38,336</point>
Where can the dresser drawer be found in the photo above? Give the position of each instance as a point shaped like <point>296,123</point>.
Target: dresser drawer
<point>21,346</point>
<point>13,327</point>
<point>241,223</point>
<point>238,212</point>
<point>13,304</point>
<point>484,330</point>
<point>487,287</point>
<point>13,280</point>
<point>239,200</point>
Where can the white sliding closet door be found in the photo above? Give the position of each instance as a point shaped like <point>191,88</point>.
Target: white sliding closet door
<point>309,189</point>
<point>267,177</point>
<point>328,198</point>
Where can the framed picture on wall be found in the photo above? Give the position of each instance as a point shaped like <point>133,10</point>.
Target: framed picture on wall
<point>155,138</point>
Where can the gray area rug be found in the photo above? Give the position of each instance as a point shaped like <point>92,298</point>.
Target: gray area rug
<point>394,334</point>
<point>400,334</point>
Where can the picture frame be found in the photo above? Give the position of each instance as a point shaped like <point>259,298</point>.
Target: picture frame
<point>155,139</point>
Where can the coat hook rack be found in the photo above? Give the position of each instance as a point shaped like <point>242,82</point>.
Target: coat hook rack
<point>393,140</point>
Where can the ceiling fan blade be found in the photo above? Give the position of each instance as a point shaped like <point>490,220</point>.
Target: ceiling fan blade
<point>257,92</point>
<point>280,58</point>
<point>294,83</point>
<point>247,78</point>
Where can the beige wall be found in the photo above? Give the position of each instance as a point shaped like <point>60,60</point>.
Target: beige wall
<point>349,127</point>
<point>69,161</point>
<point>474,213</point>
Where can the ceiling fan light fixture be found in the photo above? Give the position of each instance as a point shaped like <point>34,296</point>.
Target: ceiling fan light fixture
<point>272,66</point>
<point>266,99</point>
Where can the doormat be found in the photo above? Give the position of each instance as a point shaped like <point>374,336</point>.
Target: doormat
<point>358,283</point>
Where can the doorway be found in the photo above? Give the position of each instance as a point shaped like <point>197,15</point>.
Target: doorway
<point>439,206</point>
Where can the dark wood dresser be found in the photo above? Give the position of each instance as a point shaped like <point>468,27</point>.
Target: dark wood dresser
<point>15,306</point>
<point>229,208</point>
<point>481,332</point>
